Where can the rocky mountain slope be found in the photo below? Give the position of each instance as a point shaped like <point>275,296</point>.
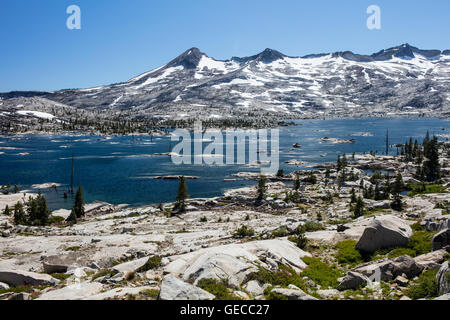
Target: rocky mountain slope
<point>403,81</point>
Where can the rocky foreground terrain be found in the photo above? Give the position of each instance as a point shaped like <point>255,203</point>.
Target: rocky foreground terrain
<point>233,247</point>
<point>267,87</point>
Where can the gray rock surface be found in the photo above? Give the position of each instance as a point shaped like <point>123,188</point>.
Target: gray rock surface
<point>441,240</point>
<point>443,278</point>
<point>352,280</point>
<point>384,232</point>
<point>389,269</point>
<point>76,291</point>
<point>21,278</point>
<point>173,288</point>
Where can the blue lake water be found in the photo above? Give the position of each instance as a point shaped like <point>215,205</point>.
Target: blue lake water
<point>120,169</point>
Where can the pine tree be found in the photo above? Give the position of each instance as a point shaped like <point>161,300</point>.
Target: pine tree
<point>399,185</point>
<point>72,218</point>
<point>431,166</point>
<point>297,182</point>
<point>397,203</point>
<point>78,207</point>
<point>353,198</point>
<point>6,212</point>
<point>358,209</point>
<point>261,190</point>
<point>339,164</point>
<point>16,189</point>
<point>37,211</point>
<point>19,214</point>
<point>182,195</point>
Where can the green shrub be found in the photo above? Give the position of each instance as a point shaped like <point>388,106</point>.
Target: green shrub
<point>151,293</point>
<point>398,252</point>
<point>280,232</point>
<point>426,287</point>
<point>151,264</point>
<point>283,277</point>
<point>244,232</point>
<point>311,226</point>
<point>60,276</point>
<point>203,219</point>
<point>421,242</point>
<point>417,188</point>
<point>55,220</point>
<point>347,253</point>
<point>101,273</point>
<point>217,288</point>
<point>321,273</point>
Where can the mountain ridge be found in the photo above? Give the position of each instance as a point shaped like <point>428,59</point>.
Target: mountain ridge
<point>394,81</point>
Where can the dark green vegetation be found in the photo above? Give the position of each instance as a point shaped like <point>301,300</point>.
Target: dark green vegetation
<point>78,207</point>
<point>36,214</point>
<point>217,288</point>
<point>244,232</point>
<point>182,195</point>
<point>347,253</point>
<point>151,264</point>
<point>261,189</point>
<point>426,286</point>
<point>321,273</point>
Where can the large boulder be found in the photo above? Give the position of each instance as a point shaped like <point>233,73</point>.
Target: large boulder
<point>441,240</point>
<point>118,293</point>
<point>389,269</point>
<point>444,297</point>
<point>443,278</point>
<point>352,280</point>
<point>431,260</point>
<point>76,291</point>
<point>384,232</point>
<point>219,267</point>
<point>235,262</point>
<point>3,286</point>
<point>173,288</point>
<point>17,278</point>
<point>130,266</point>
<point>61,263</point>
<point>254,288</point>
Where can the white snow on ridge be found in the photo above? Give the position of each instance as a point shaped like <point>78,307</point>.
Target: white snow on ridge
<point>207,63</point>
<point>37,114</point>
<point>165,74</point>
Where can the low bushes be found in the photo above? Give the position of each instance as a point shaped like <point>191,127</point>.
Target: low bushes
<point>426,286</point>
<point>322,273</point>
<point>347,253</point>
<point>217,288</point>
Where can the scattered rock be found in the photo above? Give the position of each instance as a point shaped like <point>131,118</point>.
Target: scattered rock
<point>384,232</point>
<point>431,260</point>
<point>254,288</point>
<point>61,263</point>
<point>3,286</point>
<point>22,278</point>
<point>443,278</point>
<point>130,266</point>
<point>76,291</point>
<point>444,297</point>
<point>293,293</point>
<point>441,240</point>
<point>389,269</point>
<point>118,293</point>
<point>173,288</point>
<point>353,280</point>
<point>401,281</point>
<point>20,296</point>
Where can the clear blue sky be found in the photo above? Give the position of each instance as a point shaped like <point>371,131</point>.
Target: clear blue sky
<point>120,39</point>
